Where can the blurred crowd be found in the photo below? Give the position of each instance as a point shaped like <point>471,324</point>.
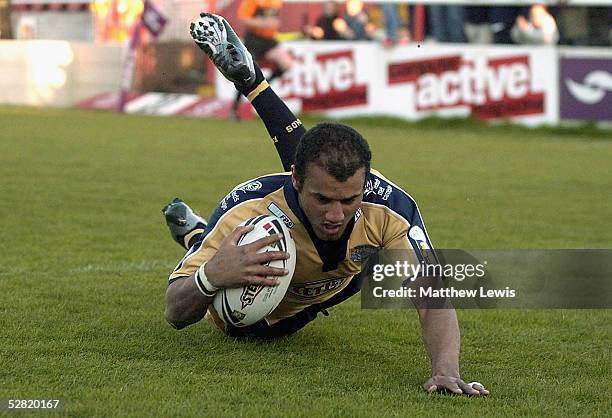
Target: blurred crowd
<point>394,23</point>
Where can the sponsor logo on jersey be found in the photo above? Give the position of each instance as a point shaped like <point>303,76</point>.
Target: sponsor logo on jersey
<point>361,252</point>
<point>375,187</point>
<point>251,187</point>
<point>276,211</point>
<point>234,195</point>
<point>313,290</point>
<point>293,126</point>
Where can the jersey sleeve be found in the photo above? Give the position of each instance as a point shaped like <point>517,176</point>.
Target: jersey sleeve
<point>237,206</point>
<point>403,228</point>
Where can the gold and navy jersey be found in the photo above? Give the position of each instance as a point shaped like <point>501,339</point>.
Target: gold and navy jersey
<point>387,219</point>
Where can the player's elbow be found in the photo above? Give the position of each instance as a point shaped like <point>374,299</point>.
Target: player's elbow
<point>174,319</point>
<point>179,318</point>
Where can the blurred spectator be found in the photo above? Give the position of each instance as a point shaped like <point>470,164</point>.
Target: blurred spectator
<point>358,26</point>
<point>573,28</point>
<point>585,25</point>
<point>502,18</point>
<point>392,22</point>
<point>539,29</point>
<point>446,23</point>
<point>477,25</point>
<point>5,20</point>
<point>260,18</point>
<point>328,24</point>
<point>599,23</point>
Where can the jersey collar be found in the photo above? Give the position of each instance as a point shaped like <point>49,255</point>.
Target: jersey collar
<point>330,252</point>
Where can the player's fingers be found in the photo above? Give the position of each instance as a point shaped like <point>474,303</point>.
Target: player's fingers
<point>238,232</point>
<point>263,270</point>
<point>430,388</point>
<point>263,242</point>
<point>262,258</point>
<point>261,281</point>
<point>467,388</point>
<point>453,387</point>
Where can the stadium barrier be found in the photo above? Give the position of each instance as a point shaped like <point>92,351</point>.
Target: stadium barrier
<point>413,82</point>
<point>529,85</point>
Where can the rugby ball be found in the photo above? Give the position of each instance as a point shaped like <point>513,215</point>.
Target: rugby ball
<point>243,306</point>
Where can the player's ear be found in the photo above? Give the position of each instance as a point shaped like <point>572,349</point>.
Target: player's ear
<point>294,178</point>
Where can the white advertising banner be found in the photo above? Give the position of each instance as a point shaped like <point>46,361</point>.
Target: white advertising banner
<point>412,82</point>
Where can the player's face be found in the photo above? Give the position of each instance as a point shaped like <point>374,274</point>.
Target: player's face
<point>329,204</point>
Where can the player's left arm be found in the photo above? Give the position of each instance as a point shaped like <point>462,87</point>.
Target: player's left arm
<point>442,342</point>
<point>406,232</point>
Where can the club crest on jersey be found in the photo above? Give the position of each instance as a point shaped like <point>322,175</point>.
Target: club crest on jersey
<point>276,211</point>
<point>249,294</point>
<point>361,252</point>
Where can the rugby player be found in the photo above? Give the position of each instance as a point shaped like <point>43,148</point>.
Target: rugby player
<point>338,210</point>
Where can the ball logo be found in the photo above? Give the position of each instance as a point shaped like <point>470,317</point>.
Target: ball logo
<point>249,294</point>
<point>593,89</point>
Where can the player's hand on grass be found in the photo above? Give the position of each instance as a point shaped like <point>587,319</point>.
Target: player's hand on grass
<point>236,266</point>
<point>454,385</point>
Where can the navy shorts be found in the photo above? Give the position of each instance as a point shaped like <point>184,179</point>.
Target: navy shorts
<point>258,46</point>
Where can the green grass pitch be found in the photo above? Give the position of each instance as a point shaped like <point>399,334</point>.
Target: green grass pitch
<point>86,254</point>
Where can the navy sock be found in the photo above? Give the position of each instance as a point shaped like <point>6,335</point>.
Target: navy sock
<point>284,127</point>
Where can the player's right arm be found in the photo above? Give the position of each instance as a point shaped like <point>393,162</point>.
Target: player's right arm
<point>230,266</point>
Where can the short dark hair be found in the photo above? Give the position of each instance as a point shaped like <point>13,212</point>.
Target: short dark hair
<point>337,148</point>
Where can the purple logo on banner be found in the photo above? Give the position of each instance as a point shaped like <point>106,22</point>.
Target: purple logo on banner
<point>153,19</point>
<point>586,88</point>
